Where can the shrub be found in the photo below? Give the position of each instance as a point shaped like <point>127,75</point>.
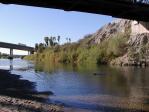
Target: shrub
<point>78,54</point>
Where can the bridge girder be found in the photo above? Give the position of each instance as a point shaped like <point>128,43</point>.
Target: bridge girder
<point>15,46</point>
<point>129,9</point>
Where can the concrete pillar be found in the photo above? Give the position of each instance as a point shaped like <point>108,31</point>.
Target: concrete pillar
<point>11,53</point>
<point>28,52</point>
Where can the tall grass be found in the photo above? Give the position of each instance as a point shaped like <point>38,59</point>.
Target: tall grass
<point>87,54</point>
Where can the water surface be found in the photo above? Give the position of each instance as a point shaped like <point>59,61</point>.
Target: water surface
<point>110,89</point>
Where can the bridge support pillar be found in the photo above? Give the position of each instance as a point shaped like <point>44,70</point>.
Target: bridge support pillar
<point>11,54</point>
<point>29,52</point>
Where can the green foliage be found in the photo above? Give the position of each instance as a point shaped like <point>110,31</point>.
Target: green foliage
<point>46,39</point>
<point>58,39</point>
<point>116,46</point>
<point>4,56</point>
<point>52,41</point>
<point>138,54</point>
<point>36,47</point>
<point>83,52</point>
<point>41,47</point>
<point>68,40</point>
<point>49,42</point>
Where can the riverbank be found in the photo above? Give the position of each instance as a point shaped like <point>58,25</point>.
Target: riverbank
<point>10,104</point>
<point>73,89</point>
<point>20,95</point>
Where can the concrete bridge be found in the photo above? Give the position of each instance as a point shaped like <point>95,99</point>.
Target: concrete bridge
<point>129,9</point>
<point>17,47</point>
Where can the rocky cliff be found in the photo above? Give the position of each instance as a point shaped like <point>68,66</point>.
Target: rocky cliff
<point>121,42</point>
<point>137,52</point>
<point>111,29</point>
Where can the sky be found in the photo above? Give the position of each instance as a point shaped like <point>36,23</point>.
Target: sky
<point>29,25</point>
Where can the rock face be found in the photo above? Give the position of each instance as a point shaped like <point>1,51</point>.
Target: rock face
<point>111,29</point>
<point>138,41</point>
<point>139,27</point>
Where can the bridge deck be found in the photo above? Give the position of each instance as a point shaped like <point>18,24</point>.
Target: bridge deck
<point>15,46</point>
<point>129,9</point>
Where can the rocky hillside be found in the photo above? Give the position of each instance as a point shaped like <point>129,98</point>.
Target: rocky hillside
<point>110,30</point>
<point>137,52</point>
<point>121,42</point>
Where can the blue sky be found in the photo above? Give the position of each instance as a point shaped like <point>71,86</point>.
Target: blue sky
<point>29,25</point>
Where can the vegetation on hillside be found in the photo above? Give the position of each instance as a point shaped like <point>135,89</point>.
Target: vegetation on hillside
<point>81,52</point>
<point>139,54</point>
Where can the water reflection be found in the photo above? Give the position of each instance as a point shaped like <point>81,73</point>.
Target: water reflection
<point>11,65</point>
<point>124,87</point>
<point>15,64</point>
<point>115,81</point>
<point>77,87</point>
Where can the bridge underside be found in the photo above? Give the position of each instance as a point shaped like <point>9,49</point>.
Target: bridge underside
<point>15,46</point>
<point>117,8</point>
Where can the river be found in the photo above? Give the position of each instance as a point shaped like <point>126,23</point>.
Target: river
<point>88,88</point>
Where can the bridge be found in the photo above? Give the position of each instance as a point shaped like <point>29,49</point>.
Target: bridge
<point>17,47</point>
<point>129,9</point>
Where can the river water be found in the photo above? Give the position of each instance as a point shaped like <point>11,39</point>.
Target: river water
<point>88,88</point>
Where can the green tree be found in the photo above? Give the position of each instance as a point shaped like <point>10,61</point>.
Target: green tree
<point>69,40</point>
<point>58,39</point>
<point>51,41</point>
<point>36,47</point>
<point>54,39</point>
<point>46,39</point>
<point>41,47</point>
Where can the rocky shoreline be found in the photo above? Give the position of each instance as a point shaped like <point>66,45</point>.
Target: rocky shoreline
<point>9,104</point>
<point>18,95</point>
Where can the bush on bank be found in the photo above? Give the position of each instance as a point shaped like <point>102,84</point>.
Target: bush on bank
<point>82,52</point>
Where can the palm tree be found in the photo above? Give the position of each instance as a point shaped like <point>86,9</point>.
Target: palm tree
<point>36,47</point>
<point>69,40</point>
<point>58,39</point>
<point>46,39</point>
<point>51,41</point>
<point>54,39</point>
<point>41,47</point>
